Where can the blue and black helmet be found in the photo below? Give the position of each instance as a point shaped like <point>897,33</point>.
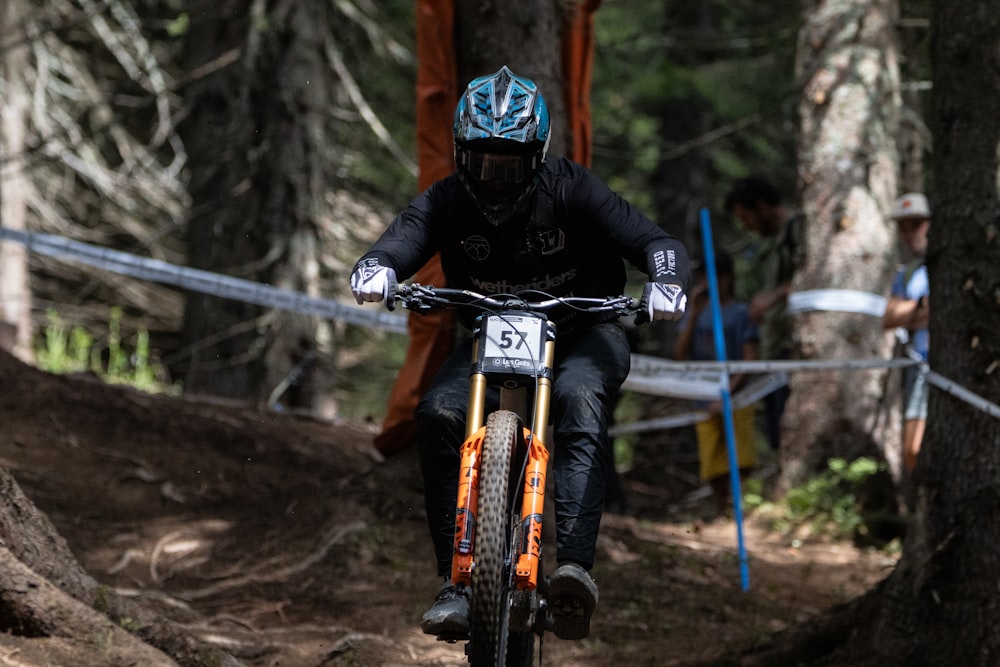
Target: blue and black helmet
<point>502,106</point>
<point>501,132</point>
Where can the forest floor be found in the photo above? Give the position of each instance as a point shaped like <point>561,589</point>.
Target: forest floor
<point>288,542</point>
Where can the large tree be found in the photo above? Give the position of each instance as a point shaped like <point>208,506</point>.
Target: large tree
<point>525,36</point>
<point>278,95</point>
<point>847,169</point>
<point>15,291</point>
<point>939,606</point>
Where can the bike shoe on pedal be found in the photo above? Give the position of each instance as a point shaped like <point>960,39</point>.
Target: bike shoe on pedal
<point>449,615</point>
<point>572,597</point>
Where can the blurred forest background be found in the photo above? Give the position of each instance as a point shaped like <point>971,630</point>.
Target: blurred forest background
<point>122,131</point>
<point>273,140</point>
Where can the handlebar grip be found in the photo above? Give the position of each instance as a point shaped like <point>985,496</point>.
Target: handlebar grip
<point>642,314</point>
<point>391,289</point>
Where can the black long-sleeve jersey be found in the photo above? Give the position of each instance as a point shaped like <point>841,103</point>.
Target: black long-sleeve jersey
<point>571,239</point>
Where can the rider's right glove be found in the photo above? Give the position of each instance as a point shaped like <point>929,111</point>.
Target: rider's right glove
<point>664,302</point>
<point>372,282</point>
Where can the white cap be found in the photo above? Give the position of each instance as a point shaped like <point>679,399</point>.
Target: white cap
<point>911,205</point>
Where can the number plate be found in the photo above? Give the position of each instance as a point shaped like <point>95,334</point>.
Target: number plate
<point>512,343</point>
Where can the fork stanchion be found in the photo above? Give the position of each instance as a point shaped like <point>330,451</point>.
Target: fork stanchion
<point>727,405</point>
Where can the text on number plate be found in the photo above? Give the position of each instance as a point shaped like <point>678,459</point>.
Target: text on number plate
<point>513,341</point>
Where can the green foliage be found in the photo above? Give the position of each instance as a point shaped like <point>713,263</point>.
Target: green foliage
<point>129,623</point>
<point>179,26</point>
<point>753,493</point>
<point>74,350</point>
<point>826,505</point>
<point>65,350</point>
<point>631,408</point>
<point>687,97</point>
<point>378,44</point>
<point>101,598</point>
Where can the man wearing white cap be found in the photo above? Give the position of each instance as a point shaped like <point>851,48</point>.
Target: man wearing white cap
<point>907,312</point>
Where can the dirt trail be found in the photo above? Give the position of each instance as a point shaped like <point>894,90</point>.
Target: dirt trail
<point>287,542</point>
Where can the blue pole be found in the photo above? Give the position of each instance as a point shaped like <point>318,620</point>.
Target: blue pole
<point>727,405</point>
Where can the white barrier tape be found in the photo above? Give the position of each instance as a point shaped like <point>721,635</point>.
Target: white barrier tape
<point>842,300</point>
<point>223,286</point>
<point>704,385</point>
<point>654,366</point>
<point>759,388</point>
<point>662,423</point>
<point>203,281</point>
<point>749,395</point>
<point>960,392</point>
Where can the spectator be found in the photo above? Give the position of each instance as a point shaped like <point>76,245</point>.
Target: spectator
<point>697,341</point>
<point>758,206</point>
<point>907,311</point>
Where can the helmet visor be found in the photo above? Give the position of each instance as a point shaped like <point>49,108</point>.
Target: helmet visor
<point>497,167</point>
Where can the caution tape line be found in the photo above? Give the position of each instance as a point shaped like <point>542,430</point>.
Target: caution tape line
<point>841,300</point>
<point>652,366</point>
<point>643,367</point>
<point>204,282</point>
<point>961,393</point>
<point>753,392</point>
<point>761,387</point>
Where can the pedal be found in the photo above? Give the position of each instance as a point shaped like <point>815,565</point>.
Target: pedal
<point>453,637</point>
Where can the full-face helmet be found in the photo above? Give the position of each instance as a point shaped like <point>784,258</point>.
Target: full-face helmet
<point>501,135</point>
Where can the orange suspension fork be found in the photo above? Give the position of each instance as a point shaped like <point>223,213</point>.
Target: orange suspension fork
<point>467,506</point>
<point>532,508</point>
<point>533,503</point>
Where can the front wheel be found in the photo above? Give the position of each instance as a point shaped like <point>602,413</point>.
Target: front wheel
<point>492,575</point>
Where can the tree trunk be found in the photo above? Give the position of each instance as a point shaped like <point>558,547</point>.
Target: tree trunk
<point>44,592</point>
<point>257,135</point>
<point>941,606</point>
<point>16,329</point>
<point>847,177</point>
<point>914,134</point>
<point>525,35</point>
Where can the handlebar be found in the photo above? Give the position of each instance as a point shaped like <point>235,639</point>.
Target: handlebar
<point>425,298</point>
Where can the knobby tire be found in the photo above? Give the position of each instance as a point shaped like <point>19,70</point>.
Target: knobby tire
<point>492,578</point>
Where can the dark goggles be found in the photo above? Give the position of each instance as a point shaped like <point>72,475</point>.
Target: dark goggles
<point>497,167</point>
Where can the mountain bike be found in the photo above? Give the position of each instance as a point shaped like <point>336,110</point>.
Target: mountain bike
<point>504,462</point>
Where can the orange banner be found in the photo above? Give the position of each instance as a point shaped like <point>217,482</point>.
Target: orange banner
<point>432,335</point>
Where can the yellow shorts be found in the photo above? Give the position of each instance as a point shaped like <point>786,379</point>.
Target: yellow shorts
<point>712,455</point>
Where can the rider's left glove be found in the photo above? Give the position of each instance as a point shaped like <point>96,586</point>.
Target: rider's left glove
<point>664,302</point>
<point>371,281</point>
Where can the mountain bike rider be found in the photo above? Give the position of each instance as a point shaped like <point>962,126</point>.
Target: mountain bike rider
<point>506,221</point>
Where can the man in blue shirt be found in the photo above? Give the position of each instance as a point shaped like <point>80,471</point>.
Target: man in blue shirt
<point>907,311</point>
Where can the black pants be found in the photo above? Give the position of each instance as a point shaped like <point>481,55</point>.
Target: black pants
<point>591,366</point>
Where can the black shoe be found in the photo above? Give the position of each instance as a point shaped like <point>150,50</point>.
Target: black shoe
<point>572,598</point>
<point>449,615</point>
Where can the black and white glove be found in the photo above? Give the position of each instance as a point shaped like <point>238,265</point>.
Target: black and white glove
<point>664,302</point>
<point>373,282</point>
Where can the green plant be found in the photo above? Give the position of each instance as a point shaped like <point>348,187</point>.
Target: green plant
<point>753,493</point>
<point>629,409</point>
<point>129,623</point>
<point>101,599</point>
<point>67,349</point>
<point>826,504</point>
